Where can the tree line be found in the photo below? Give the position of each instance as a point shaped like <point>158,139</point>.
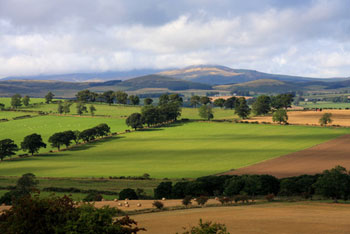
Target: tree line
<point>33,142</point>
<point>332,184</point>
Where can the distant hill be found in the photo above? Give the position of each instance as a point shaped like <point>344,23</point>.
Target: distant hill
<point>217,75</point>
<point>88,77</point>
<point>158,81</point>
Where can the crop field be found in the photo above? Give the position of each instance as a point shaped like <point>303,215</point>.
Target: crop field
<point>300,217</point>
<point>339,117</point>
<point>48,125</point>
<point>309,161</point>
<point>188,150</point>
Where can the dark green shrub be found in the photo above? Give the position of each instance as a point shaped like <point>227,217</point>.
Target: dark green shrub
<point>128,193</point>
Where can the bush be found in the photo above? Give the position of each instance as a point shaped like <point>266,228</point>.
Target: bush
<point>164,189</point>
<point>158,204</point>
<point>60,215</point>
<point>207,228</point>
<point>93,197</point>
<point>187,201</point>
<point>128,193</point>
<point>270,197</point>
<point>202,200</point>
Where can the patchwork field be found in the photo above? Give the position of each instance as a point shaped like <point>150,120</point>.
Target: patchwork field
<point>188,150</point>
<point>301,217</point>
<point>339,117</point>
<point>309,161</point>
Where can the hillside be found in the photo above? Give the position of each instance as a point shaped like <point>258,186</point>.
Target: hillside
<point>158,81</point>
<point>218,75</point>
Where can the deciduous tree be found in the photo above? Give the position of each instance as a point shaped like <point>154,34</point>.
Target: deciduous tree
<point>32,143</point>
<point>7,148</point>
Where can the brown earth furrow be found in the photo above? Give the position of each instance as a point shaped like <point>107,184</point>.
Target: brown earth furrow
<point>309,161</point>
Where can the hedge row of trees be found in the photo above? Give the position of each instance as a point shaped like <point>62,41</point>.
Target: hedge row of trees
<point>333,184</point>
<point>168,109</point>
<point>65,138</point>
<point>109,97</point>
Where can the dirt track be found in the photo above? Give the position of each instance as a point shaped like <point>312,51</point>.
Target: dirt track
<point>310,161</point>
<point>303,217</point>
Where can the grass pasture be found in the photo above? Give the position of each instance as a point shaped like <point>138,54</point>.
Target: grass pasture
<point>11,114</point>
<point>189,150</point>
<point>48,125</point>
<point>273,218</point>
<point>7,101</point>
<point>324,104</point>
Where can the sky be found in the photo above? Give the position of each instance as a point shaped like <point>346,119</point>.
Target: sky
<point>293,37</point>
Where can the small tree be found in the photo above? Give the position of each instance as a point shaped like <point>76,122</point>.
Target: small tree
<point>326,119</point>
<point>81,108</point>
<point>2,106</point>
<point>16,101</point>
<point>92,110</point>
<point>32,143</point>
<point>242,109</point>
<point>135,121</point>
<point>60,108</point>
<point>202,200</point>
<point>135,100</point>
<point>7,148</point>
<point>128,193</point>
<point>207,228</point>
<point>219,102</point>
<point>48,97</point>
<point>206,112</point>
<point>262,105</point>
<point>158,204</point>
<point>121,97</point>
<point>195,100</point>
<point>66,107</point>
<point>147,101</point>
<point>26,100</point>
<point>205,100</point>
<point>280,116</point>
<point>187,201</point>
<point>76,136</point>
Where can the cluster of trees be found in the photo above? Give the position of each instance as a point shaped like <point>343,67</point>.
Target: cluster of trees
<point>168,109</point>
<point>333,184</point>
<point>31,143</point>
<point>109,97</point>
<point>80,106</point>
<point>67,137</point>
<point>17,100</point>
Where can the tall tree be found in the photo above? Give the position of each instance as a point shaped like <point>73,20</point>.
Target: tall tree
<point>60,108</point>
<point>262,105</point>
<point>151,115</point>
<point>195,100</point>
<point>7,148</point>
<point>280,116</point>
<point>66,107</point>
<point>205,100</point>
<point>16,101</point>
<point>121,97</point>
<point>206,112</point>
<point>135,121</point>
<point>32,143</point>
<point>48,97</point>
<point>242,109</point>
<point>175,97</point>
<point>92,110</point>
<point>81,108</point>
<point>108,97</point>
<point>134,100</point>
<point>26,100</point>
<point>219,102</point>
<point>230,103</point>
<point>163,99</point>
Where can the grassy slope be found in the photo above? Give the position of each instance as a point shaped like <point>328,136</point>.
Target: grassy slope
<point>48,125</point>
<point>191,150</point>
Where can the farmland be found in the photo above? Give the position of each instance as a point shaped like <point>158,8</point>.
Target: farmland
<point>182,150</point>
<point>300,217</point>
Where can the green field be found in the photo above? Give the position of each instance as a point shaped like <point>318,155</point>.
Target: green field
<point>48,125</point>
<point>188,150</point>
<point>322,104</point>
<point>11,114</point>
<point>7,101</point>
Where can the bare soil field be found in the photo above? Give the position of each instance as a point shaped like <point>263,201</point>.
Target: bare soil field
<point>309,161</point>
<point>301,217</point>
<point>339,117</point>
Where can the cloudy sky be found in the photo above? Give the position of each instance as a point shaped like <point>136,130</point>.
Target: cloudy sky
<point>296,37</point>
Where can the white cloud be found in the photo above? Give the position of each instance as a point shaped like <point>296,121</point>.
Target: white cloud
<point>310,38</point>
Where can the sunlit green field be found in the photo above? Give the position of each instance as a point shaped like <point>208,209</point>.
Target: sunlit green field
<point>189,150</point>
<point>11,114</point>
<point>322,104</point>
<point>48,125</point>
<point>7,101</point>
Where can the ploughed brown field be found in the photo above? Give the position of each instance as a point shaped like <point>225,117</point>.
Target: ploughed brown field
<point>301,217</point>
<point>309,161</point>
<point>339,117</point>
